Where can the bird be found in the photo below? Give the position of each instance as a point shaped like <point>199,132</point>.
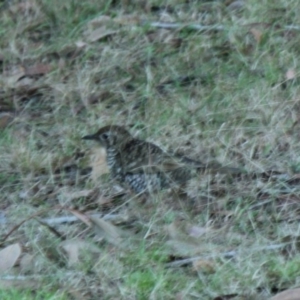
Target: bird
<point>143,166</point>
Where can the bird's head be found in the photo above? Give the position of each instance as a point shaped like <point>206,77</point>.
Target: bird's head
<point>111,136</point>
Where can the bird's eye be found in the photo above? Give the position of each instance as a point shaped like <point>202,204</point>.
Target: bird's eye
<point>104,136</point>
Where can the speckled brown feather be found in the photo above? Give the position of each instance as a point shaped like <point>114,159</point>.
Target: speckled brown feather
<point>144,166</point>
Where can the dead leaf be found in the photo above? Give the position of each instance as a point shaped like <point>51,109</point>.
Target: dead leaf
<point>38,69</point>
<point>104,201</point>
<point>16,76</point>
<point>185,232</point>
<point>288,295</point>
<point>27,262</point>
<point>132,19</point>
<point>9,257</point>
<point>174,231</point>
<point>173,41</point>
<point>24,84</point>
<point>184,244</point>
<point>73,248</point>
<point>5,119</point>
<point>61,63</point>
<point>203,266</point>
<point>100,33</point>
<point>82,217</point>
<point>257,34</point>
<point>23,7</point>
<point>79,194</point>
<point>236,5</point>
<point>20,284</point>
<point>80,44</point>
<point>290,74</point>
<point>99,21</point>
<point>164,36</point>
<point>3,219</point>
<point>180,296</point>
<point>107,230</point>
<point>167,17</point>
<point>13,75</point>
<point>78,294</point>
<point>196,231</point>
<point>292,244</point>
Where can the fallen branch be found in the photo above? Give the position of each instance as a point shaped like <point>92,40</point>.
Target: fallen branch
<point>72,219</point>
<point>181,26</point>
<point>186,261</point>
<point>51,221</point>
<point>230,254</point>
<point>200,27</point>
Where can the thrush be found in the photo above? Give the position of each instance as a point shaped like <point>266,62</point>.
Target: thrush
<point>143,166</point>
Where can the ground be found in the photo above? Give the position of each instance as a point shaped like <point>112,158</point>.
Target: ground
<point>227,92</point>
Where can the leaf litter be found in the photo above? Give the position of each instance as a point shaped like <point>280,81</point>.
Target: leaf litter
<point>26,86</point>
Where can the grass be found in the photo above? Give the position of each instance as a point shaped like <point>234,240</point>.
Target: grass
<point>27,295</point>
<point>210,95</point>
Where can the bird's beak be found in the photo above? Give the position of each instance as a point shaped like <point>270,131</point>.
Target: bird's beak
<point>90,137</point>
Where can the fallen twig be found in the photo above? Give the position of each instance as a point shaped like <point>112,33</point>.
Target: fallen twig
<point>230,254</point>
<point>59,220</point>
<point>71,219</point>
<point>22,222</point>
<point>186,261</point>
<point>180,26</point>
<point>200,27</point>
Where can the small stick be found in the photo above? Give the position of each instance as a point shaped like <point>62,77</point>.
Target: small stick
<point>230,254</point>
<point>206,27</point>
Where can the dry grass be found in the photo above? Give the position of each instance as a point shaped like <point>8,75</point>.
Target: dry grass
<point>220,95</point>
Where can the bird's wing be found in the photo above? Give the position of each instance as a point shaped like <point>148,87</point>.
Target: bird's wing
<point>149,158</point>
<point>140,156</point>
<point>147,168</point>
<point>167,164</point>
